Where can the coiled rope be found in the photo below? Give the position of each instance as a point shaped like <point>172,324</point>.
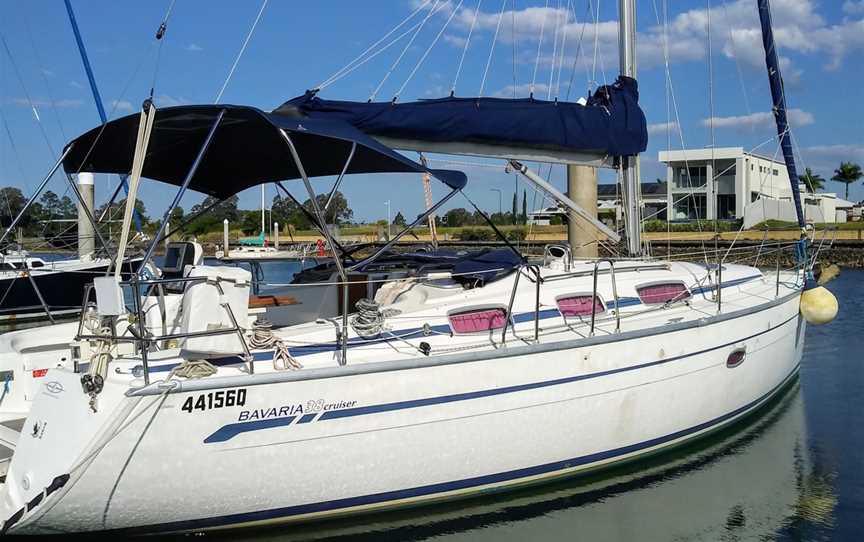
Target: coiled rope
<point>370,320</point>
<point>263,337</point>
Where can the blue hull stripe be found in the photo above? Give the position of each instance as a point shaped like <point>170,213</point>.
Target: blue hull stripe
<point>420,491</point>
<point>223,434</point>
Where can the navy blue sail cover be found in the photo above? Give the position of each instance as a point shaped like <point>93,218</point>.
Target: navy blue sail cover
<point>611,121</point>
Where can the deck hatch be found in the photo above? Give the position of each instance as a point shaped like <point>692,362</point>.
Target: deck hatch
<point>664,292</point>
<point>579,305</point>
<point>478,320</point>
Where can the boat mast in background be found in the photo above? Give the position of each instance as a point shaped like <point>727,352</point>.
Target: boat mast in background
<point>630,164</point>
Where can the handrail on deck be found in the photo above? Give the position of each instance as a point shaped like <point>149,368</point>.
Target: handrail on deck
<point>614,295</point>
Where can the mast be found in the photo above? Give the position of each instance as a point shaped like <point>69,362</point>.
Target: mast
<point>630,164</point>
<point>778,101</point>
<point>100,107</point>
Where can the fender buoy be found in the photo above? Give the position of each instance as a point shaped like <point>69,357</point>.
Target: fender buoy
<point>320,245</point>
<point>818,305</point>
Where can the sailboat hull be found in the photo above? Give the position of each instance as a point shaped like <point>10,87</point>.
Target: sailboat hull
<point>363,441</point>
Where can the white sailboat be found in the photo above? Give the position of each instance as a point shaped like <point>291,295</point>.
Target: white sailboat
<point>477,375</point>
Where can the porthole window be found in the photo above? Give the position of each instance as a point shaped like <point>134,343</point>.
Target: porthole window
<point>478,320</point>
<point>667,292</point>
<point>579,305</point>
<point>736,358</point>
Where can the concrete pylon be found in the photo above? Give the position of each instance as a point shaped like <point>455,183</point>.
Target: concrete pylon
<point>86,236</point>
<point>582,189</point>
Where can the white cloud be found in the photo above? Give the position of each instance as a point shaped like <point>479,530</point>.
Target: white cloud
<point>735,33</point>
<point>164,100</point>
<point>456,41</point>
<point>851,7</point>
<point>194,48</point>
<point>122,106</point>
<point>541,91</point>
<point>663,128</point>
<point>41,102</point>
<point>797,118</point>
<point>75,84</point>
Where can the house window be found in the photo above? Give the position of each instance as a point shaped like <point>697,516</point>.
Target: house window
<point>579,305</point>
<point>774,172</point>
<point>666,292</point>
<point>475,321</point>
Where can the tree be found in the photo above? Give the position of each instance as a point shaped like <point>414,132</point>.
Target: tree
<point>118,208</point>
<point>12,200</point>
<point>812,181</point>
<point>847,173</point>
<point>513,210</point>
<point>337,213</point>
<point>68,209</point>
<point>524,207</point>
<point>399,220</point>
<point>251,222</point>
<point>455,218</point>
<point>212,219</point>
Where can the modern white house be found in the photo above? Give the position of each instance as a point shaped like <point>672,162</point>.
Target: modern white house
<point>746,186</point>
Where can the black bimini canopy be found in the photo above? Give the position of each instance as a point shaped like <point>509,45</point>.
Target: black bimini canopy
<point>247,149</point>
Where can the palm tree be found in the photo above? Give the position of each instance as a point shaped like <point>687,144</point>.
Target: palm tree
<point>847,173</point>
<point>813,181</point>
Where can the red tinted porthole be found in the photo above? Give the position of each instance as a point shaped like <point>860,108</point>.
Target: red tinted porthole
<point>736,358</point>
<point>579,305</point>
<point>476,321</point>
<point>662,293</point>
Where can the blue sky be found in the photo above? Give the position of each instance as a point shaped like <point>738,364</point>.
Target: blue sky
<point>298,45</point>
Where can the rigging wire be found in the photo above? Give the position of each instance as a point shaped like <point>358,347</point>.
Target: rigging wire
<point>43,74</point>
<point>405,50</point>
<point>513,40</point>
<point>465,49</point>
<point>428,50</point>
<point>379,51</point>
<point>578,49</point>
<point>539,47</point>
<point>240,53</point>
<point>554,51</point>
<point>492,49</point>
<point>347,68</point>
<point>563,46</point>
<point>160,33</point>
<point>27,95</point>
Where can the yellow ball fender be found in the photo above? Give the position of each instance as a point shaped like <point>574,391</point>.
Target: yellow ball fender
<point>818,305</point>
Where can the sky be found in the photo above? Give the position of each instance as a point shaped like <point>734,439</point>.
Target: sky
<point>716,71</point>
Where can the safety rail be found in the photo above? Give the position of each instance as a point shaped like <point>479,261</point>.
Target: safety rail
<point>143,338</point>
<point>614,295</point>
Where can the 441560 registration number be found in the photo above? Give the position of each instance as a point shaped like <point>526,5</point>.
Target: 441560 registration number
<point>216,399</point>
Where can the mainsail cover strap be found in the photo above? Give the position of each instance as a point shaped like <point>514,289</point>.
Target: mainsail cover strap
<point>610,122</point>
<point>145,127</point>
